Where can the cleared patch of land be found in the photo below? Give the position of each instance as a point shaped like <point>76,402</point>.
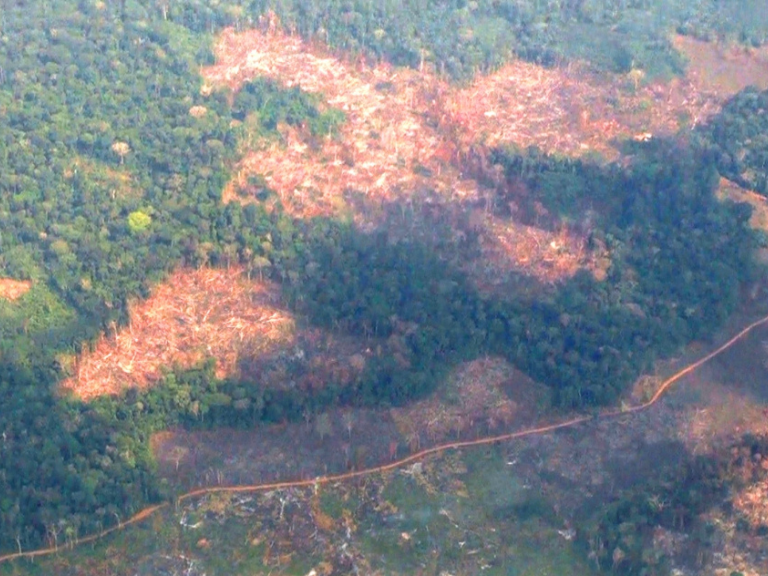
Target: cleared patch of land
<point>195,314</point>
<point>485,395</point>
<point>413,141</point>
<point>398,146</point>
<point>722,69</point>
<point>572,111</point>
<point>11,289</point>
<point>211,313</point>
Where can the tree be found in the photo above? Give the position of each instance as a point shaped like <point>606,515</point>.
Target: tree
<point>323,425</point>
<point>138,221</point>
<point>122,149</point>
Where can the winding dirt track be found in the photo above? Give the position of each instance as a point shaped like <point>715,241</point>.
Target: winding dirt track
<point>147,512</point>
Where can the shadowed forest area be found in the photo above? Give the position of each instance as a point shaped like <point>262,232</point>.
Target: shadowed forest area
<point>114,155</point>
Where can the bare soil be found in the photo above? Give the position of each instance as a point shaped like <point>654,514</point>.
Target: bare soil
<point>400,145</point>
<point>12,289</point>
<point>219,314</point>
<point>414,141</point>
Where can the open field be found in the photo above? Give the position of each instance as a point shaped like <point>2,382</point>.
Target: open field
<point>416,143</point>
<point>213,313</point>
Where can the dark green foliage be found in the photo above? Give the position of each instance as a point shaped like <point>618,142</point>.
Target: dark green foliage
<point>675,501</point>
<point>738,139</point>
<point>66,468</point>
<point>273,105</point>
<point>677,258</point>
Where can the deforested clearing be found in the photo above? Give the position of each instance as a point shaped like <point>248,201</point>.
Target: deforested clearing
<point>195,314</point>
<point>12,289</point>
<point>403,143</point>
<point>413,139</point>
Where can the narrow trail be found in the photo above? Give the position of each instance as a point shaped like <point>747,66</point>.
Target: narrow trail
<point>321,480</point>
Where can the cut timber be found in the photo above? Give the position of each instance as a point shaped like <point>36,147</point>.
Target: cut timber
<point>400,145</point>
<point>195,314</point>
<point>221,314</point>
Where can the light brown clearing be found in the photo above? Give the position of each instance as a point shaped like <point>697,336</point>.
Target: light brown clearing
<point>399,145</point>
<point>219,314</point>
<point>721,69</point>
<point>472,397</point>
<point>413,139</point>
<point>731,191</point>
<point>12,289</point>
<point>570,110</point>
<point>193,315</point>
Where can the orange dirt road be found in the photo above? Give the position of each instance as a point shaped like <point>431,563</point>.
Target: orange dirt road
<point>149,511</point>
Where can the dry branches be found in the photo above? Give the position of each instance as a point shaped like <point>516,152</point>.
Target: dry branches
<point>401,138</point>
<point>193,315</point>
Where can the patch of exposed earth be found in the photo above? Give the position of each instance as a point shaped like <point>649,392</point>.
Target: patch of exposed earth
<point>12,289</point>
<point>399,146</point>
<point>222,314</point>
<point>414,141</point>
<point>569,470</point>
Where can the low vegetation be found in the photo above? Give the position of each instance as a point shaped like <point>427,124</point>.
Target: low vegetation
<point>646,528</point>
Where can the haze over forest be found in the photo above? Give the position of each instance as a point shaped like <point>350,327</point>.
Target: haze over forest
<point>245,242</point>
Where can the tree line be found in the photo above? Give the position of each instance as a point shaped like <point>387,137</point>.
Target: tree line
<point>112,162</point>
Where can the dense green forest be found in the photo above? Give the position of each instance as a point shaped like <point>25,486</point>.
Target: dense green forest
<point>738,138</point>
<point>112,162</point>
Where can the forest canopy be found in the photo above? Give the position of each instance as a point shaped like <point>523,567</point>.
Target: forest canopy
<point>738,139</point>
<point>113,157</point>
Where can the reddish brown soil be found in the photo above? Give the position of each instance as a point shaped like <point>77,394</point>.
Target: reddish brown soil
<point>220,314</point>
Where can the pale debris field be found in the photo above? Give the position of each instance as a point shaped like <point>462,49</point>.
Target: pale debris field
<point>11,289</point>
<point>572,111</point>
<point>398,145</point>
<point>193,315</point>
<point>412,138</point>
